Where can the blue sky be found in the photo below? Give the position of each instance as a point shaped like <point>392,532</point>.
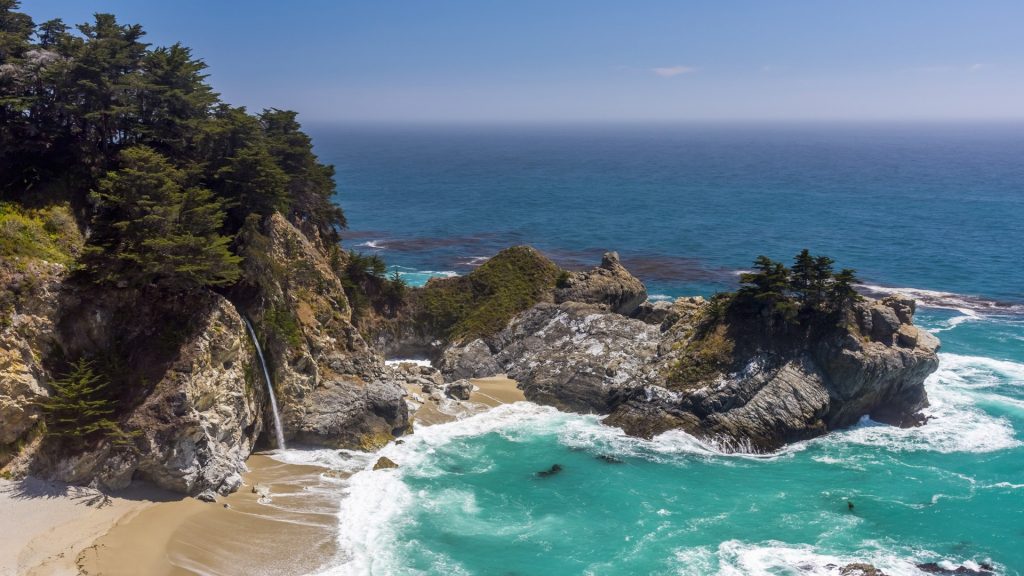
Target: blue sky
<point>526,60</point>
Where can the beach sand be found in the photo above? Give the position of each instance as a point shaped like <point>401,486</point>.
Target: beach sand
<point>51,529</point>
<point>291,533</point>
<point>46,525</point>
<point>488,393</point>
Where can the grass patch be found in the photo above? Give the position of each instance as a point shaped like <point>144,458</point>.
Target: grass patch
<point>46,233</point>
<point>704,358</point>
<point>481,303</point>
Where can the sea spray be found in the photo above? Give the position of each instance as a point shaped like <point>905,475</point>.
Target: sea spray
<point>278,431</point>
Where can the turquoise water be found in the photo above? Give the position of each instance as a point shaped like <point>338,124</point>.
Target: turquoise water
<point>937,209</point>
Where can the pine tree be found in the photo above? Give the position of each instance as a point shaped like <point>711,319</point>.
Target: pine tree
<point>149,230</point>
<point>842,293</point>
<point>79,409</point>
<point>769,288</point>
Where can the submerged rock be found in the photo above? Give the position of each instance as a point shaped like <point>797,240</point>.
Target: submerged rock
<point>555,469</point>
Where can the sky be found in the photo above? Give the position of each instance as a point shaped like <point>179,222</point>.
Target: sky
<point>591,60</point>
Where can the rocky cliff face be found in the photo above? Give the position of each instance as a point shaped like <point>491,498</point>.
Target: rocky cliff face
<point>585,357</point>
<point>197,424</point>
<point>332,387</point>
<point>191,394</point>
<point>26,337</point>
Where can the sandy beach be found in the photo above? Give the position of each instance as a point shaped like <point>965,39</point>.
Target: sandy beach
<point>283,521</point>
<point>47,525</point>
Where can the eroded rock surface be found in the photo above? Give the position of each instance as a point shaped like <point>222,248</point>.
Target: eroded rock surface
<point>609,286</point>
<point>584,357</point>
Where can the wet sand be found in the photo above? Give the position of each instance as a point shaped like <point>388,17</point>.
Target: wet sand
<point>291,533</point>
<point>487,393</point>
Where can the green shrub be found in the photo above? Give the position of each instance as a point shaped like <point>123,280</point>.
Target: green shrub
<point>48,233</point>
<point>482,303</point>
<point>704,358</point>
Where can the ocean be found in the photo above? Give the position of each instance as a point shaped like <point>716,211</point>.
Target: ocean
<point>934,210</point>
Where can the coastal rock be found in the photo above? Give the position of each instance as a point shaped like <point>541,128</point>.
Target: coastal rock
<point>609,286</point>
<point>195,428</point>
<point>860,569</point>
<point>586,358</point>
<point>384,463</point>
<point>459,390</point>
<point>471,360</point>
<point>334,390</point>
<point>577,356</point>
<point>884,323</point>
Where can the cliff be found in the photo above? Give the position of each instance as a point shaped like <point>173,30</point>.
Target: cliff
<point>183,373</point>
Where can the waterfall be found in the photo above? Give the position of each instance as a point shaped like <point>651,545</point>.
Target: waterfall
<point>278,431</point>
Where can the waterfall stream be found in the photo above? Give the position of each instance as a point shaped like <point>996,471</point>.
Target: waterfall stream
<point>278,431</point>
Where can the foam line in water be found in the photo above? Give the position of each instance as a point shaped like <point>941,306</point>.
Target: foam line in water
<point>737,558</point>
<point>966,304</point>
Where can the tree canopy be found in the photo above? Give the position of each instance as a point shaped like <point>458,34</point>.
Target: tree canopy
<point>784,293</point>
<point>132,136</point>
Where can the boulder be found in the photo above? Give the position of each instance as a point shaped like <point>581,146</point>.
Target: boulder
<point>609,286</point>
<point>884,323</point>
<point>384,463</point>
<point>459,390</point>
<point>471,360</point>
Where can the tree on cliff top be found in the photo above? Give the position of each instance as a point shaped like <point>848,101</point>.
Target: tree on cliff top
<point>152,230</point>
<point>71,100</point>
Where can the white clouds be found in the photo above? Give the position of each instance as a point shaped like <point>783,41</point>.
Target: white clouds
<point>670,71</point>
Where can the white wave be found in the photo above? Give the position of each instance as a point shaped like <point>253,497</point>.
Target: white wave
<point>400,361</point>
<point>348,461</point>
<point>372,244</point>
<point>956,423</point>
<point>964,303</point>
<point>474,261</point>
<point>772,558</point>
<point>978,371</point>
<point>430,273</point>
<point>660,298</point>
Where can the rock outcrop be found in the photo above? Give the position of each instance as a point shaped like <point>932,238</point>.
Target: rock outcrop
<point>187,382</point>
<point>332,386</point>
<point>26,337</point>
<point>192,429</point>
<point>584,357</point>
<point>609,286</point>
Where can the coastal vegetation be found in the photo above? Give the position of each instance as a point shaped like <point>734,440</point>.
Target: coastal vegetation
<point>143,150</point>
<point>776,306</point>
<point>128,181</point>
<point>482,302</point>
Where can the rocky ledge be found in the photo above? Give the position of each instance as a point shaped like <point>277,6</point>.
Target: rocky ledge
<point>594,348</point>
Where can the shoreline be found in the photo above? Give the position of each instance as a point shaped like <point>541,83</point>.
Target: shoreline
<point>283,519</point>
